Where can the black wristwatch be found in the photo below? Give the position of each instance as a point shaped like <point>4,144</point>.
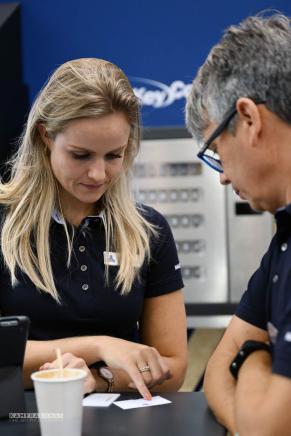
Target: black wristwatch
<point>107,375</point>
<point>246,349</point>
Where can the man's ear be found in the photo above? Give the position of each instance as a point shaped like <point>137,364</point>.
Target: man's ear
<point>250,118</point>
<point>44,135</point>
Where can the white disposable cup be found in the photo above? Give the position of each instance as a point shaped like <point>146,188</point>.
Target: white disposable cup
<point>59,401</point>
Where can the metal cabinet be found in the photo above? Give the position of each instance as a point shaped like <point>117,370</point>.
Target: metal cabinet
<point>249,235</point>
<point>219,239</point>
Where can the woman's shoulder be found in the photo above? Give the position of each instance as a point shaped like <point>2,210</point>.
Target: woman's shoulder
<point>151,215</point>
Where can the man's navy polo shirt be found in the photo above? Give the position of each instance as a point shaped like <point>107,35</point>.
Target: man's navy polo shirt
<point>267,301</point>
<point>88,306</point>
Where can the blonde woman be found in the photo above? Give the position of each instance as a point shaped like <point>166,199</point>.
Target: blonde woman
<point>97,274</point>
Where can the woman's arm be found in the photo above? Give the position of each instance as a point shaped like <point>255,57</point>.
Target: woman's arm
<point>124,356</point>
<point>163,329</point>
<point>39,352</point>
<point>163,326</point>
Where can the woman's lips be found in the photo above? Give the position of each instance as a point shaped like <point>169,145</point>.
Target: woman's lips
<point>92,187</point>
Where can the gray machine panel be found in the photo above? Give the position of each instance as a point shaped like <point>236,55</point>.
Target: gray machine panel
<point>170,178</point>
<point>249,236</point>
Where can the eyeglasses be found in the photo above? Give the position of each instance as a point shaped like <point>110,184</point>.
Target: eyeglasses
<point>210,155</point>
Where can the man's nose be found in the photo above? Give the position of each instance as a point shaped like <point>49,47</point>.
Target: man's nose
<point>223,179</point>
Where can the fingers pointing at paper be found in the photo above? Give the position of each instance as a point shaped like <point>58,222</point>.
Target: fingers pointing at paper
<point>132,357</point>
<point>137,366</point>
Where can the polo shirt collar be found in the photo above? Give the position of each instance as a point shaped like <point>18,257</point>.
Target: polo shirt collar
<point>283,219</point>
<point>58,218</point>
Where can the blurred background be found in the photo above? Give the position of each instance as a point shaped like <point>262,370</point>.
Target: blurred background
<point>159,46</point>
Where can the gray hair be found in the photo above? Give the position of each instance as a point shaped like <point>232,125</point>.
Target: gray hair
<point>253,59</point>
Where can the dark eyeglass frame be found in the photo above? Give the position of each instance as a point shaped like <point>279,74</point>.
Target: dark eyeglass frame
<point>214,163</point>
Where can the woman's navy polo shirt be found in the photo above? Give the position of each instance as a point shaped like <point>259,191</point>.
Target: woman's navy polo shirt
<point>88,306</point>
<point>267,301</point>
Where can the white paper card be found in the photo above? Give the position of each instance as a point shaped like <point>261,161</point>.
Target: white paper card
<point>141,402</point>
<point>100,400</point>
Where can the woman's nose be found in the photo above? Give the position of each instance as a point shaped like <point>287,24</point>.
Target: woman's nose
<point>97,170</point>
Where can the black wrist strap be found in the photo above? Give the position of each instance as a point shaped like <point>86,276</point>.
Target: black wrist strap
<point>246,349</point>
<point>97,365</point>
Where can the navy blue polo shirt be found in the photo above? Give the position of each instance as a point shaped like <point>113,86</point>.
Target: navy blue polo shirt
<point>267,301</point>
<point>88,306</point>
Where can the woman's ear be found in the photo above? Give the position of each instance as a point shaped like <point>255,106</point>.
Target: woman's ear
<point>250,116</point>
<point>44,135</point>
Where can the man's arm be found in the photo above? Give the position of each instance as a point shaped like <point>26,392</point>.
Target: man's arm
<point>262,399</point>
<point>219,385</point>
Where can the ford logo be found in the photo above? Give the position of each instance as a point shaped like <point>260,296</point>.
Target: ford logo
<point>157,94</point>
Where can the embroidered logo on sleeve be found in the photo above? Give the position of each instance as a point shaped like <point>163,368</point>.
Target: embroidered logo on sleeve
<point>178,266</point>
<point>273,332</point>
<point>110,258</point>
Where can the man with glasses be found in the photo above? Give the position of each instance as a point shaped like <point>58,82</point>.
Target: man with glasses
<point>239,108</point>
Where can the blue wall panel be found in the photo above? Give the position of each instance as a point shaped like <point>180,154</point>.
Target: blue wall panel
<point>162,42</point>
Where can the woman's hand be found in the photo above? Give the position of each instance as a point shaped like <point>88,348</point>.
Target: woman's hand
<point>144,365</point>
<point>71,361</point>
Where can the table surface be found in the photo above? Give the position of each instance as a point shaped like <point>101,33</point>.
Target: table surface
<point>187,415</point>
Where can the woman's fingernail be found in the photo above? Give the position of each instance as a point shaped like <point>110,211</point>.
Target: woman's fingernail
<point>45,366</point>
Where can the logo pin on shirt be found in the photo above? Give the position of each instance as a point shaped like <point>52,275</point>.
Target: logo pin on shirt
<point>110,258</point>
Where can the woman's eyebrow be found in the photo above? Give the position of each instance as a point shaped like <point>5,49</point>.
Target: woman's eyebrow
<point>76,147</point>
<point>117,149</point>
<point>79,148</point>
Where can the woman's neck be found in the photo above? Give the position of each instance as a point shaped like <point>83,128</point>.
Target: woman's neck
<point>75,211</point>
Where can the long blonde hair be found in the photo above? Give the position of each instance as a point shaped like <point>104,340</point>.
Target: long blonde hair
<point>79,88</point>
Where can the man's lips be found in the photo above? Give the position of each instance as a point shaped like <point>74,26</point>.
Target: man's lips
<point>239,193</point>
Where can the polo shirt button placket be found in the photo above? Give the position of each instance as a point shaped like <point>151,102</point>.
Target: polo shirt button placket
<point>275,278</point>
<point>83,268</point>
<point>284,246</point>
